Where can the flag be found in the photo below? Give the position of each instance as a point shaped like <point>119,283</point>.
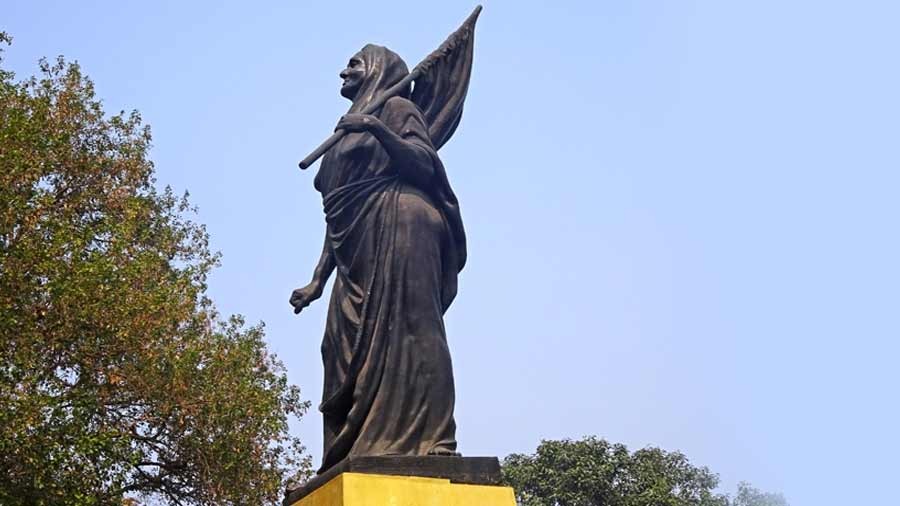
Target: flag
<point>440,88</point>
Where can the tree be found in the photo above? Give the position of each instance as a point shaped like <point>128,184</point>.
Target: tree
<point>747,495</point>
<point>118,380</point>
<point>593,472</point>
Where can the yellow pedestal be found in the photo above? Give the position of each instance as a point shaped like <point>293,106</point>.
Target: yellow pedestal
<point>355,489</point>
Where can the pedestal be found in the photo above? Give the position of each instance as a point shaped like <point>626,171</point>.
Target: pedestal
<point>406,481</point>
<point>357,489</point>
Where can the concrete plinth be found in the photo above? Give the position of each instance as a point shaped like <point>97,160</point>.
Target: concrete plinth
<point>456,469</point>
<point>357,489</point>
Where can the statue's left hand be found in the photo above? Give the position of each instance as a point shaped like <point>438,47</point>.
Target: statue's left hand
<point>302,297</point>
<point>355,122</point>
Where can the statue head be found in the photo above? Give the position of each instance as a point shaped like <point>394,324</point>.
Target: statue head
<point>370,72</point>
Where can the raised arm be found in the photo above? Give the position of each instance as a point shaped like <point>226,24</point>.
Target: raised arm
<point>412,161</point>
<point>409,149</point>
<point>302,297</point>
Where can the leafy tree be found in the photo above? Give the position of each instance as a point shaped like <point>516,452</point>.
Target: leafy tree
<point>593,472</point>
<point>747,495</point>
<point>118,380</point>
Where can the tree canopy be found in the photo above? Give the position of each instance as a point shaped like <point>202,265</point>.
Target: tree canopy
<point>747,495</point>
<point>118,379</point>
<point>594,472</point>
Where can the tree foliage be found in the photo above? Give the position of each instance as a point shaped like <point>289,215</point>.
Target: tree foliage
<point>593,472</point>
<point>747,495</point>
<point>117,377</point>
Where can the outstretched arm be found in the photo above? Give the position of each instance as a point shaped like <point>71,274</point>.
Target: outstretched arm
<point>302,297</point>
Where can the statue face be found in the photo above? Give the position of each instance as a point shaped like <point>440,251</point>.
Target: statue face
<point>353,77</point>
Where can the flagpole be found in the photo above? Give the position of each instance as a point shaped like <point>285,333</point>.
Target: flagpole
<point>395,89</point>
<point>369,109</point>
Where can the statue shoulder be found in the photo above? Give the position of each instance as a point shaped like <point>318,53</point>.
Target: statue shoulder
<point>401,106</point>
<point>403,117</point>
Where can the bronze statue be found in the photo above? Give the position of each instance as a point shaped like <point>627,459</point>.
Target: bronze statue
<point>395,237</point>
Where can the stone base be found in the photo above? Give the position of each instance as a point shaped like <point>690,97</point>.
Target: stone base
<point>455,470</point>
<point>357,489</point>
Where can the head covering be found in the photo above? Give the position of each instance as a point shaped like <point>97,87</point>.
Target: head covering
<point>384,68</point>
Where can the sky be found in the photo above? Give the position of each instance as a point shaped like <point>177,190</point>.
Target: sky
<point>681,216</point>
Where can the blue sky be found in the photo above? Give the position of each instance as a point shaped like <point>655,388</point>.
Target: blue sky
<point>682,216</point>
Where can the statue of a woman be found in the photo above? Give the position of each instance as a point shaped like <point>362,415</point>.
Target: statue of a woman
<point>395,237</point>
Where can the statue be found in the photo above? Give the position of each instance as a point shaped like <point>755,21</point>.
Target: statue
<point>396,240</point>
